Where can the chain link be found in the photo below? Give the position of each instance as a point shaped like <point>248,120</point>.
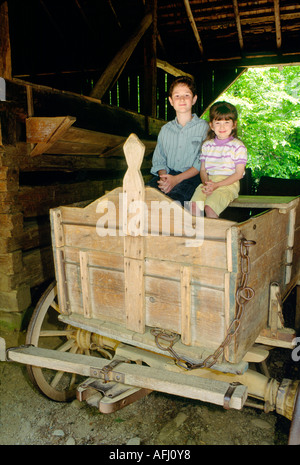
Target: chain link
<point>243,294</point>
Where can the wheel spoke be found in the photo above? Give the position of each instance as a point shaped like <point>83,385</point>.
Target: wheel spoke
<point>44,323</point>
<point>53,332</point>
<point>69,344</point>
<point>57,378</point>
<point>55,306</point>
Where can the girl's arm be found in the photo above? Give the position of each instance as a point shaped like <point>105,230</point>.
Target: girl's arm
<point>236,176</point>
<point>203,173</point>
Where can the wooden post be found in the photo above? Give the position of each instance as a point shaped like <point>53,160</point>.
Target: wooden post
<point>5,54</point>
<point>290,245</point>
<point>297,313</point>
<point>133,229</point>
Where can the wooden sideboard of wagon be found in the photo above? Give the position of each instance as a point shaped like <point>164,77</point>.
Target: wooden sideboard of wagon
<point>149,298</point>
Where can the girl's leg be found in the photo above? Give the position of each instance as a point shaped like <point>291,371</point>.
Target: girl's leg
<point>209,212</point>
<point>194,209</point>
<point>197,197</point>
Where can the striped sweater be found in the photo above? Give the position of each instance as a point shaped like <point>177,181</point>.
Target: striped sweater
<point>221,156</point>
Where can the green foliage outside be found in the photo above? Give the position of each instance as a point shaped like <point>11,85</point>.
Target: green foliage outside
<point>268,103</point>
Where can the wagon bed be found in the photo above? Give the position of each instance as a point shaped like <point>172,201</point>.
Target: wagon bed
<point>178,304</point>
<point>122,285</point>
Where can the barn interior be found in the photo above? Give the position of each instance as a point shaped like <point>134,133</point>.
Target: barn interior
<point>79,76</point>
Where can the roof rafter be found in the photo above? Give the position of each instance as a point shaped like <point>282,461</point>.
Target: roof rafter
<point>238,23</point>
<point>117,64</point>
<point>277,23</point>
<point>193,24</point>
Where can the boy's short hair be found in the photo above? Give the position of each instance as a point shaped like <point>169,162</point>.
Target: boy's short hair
<point>184,80</point>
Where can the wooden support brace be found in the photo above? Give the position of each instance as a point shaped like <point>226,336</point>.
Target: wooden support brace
<point>290,245</point>
<point>276,334</point>
<point>185,286</point>
<point>275,309</point>
<point>44,131</point>
<point>85,284</point>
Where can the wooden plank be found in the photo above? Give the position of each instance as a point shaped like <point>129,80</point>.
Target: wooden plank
<point>290,245</point>
<point>85,283</point>
<point>211,253</point>
<point>265,201</point>
<point>147,341</point>
<point>134,294</point>
<point>83,141</point>
<point>58,238</point>
<point>45,131</point>
<point>108,295</point>
<point>207,320</point>
<point>185,288</point>
<point>163,303</point>
<point>193,387</point>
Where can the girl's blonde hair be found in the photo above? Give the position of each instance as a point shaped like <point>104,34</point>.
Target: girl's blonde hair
<point>222,110</point>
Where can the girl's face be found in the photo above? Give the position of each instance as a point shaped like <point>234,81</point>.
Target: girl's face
<point>222,127</point>
<point>182,98</point>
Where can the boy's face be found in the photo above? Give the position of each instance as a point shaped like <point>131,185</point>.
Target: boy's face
<point>182,99</point>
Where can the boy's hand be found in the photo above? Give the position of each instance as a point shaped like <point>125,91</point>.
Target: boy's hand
<point>166,183</point>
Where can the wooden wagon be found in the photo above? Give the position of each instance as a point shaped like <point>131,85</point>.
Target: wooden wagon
<point>149,298</point>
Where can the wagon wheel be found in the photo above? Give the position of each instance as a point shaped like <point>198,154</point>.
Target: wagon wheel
<point>45,330</point>
<point>294,436</point>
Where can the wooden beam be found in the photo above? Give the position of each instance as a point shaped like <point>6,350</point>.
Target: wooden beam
<point>150,47</point>
<point>87,22</point>
<point>161,380</point>
<point>238,23</point>
<point>283,203</point>
<point>119,61</point>
<point>193,24</point>
<point>171,69</point>
<point>5,50</point>
<point>277,23</point>
<point>47,130</point>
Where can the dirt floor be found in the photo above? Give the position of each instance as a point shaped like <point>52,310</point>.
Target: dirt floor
<point>29,418</point>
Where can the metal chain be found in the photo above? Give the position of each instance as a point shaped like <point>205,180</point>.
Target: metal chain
<point>243,294</point>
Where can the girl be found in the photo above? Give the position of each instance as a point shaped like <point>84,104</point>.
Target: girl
<point>223,159</point>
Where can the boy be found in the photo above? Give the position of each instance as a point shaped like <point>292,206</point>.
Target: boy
<point>176,158</point>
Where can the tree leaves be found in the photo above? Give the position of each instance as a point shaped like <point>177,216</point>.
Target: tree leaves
<point>268,102</point>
